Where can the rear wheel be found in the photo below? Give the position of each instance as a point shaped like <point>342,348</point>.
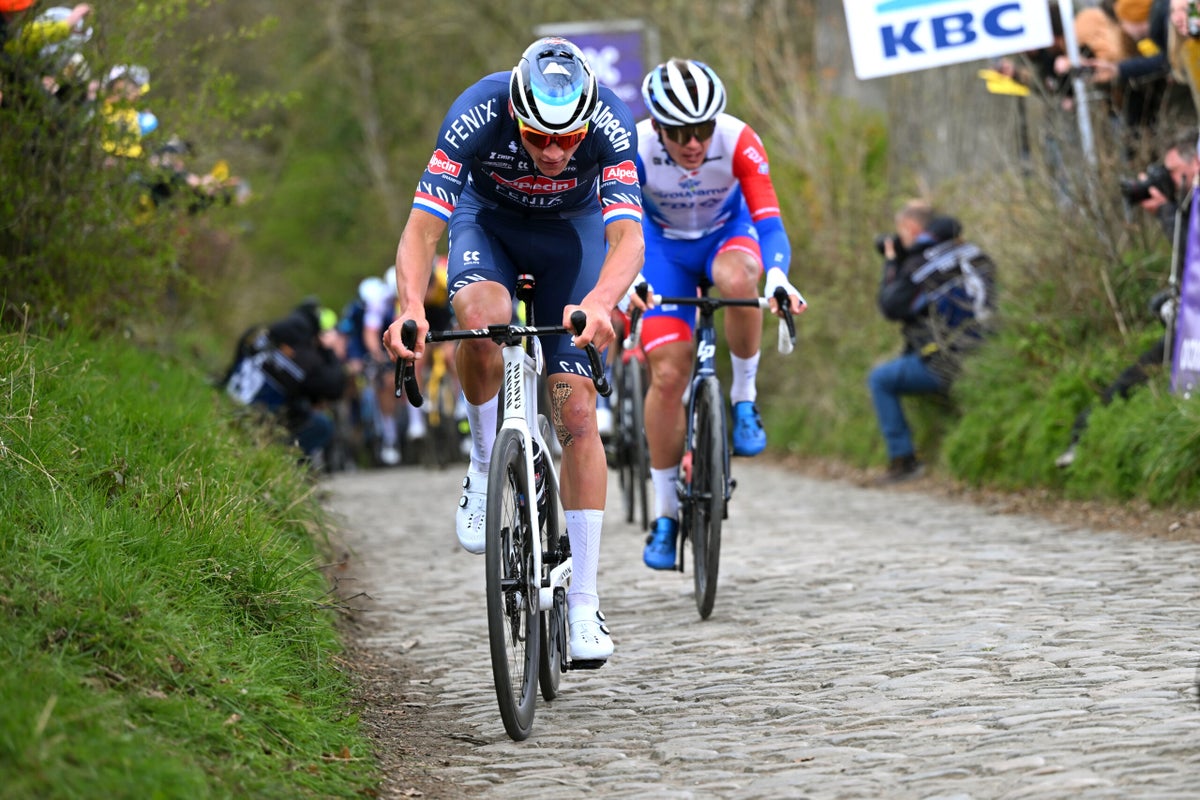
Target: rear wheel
<point>514,625</point>
<point>708,494</point>
<point>633,454</point>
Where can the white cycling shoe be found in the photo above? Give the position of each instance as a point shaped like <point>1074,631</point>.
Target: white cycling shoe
<point>589,635</point>
<point>470,522</point>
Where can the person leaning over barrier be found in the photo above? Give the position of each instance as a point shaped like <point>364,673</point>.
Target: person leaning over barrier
<point>942,291</point>
<point>1161,190</point>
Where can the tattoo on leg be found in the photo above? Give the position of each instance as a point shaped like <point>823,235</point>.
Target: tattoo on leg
<point>559,394</point>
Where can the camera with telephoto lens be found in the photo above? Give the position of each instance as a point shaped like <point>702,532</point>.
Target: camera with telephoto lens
<point>1137,190</point>
<point>881,242</point>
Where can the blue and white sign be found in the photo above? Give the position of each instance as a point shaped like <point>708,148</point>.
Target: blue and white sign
<point>888,37</point>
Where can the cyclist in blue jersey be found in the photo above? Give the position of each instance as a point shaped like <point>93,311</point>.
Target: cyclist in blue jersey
<point>712,216</point>
<point>534,173</point>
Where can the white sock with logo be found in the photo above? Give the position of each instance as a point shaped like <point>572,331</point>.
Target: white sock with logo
<point>483,433</point>
<point>745,377</point>
<point>583,531</point>
<point>666,498</point>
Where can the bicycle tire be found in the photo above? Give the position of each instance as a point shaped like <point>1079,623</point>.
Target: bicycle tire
<point>623,444</point>
<point>553,620</point>
<point>514,625</point>
<point>641,449</point>
<point>708,493</point>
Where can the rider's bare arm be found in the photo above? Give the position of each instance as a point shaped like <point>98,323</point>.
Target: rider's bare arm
<point>414,263</point>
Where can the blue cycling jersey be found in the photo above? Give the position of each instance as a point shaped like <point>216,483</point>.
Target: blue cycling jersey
<point>479,151</point>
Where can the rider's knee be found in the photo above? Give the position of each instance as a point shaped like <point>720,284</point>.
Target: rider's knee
<point>737,276</point>
<point>574,411</point>
<point>670,377</point>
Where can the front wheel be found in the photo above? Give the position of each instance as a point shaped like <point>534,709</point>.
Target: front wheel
<point>514,625</point>
<point>553,620</point>
<point>708,493</point>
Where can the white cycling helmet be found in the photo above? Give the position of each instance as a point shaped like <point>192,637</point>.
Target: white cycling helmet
<point>553,89</point>
<point>372,290</point>
<point>389,279</point>
<point>683,92</point>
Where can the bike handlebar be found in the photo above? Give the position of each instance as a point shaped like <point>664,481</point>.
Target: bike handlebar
<point>709,304</point>
<point>406,375</point>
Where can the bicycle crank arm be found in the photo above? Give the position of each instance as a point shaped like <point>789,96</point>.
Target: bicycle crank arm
<point>559,576</point>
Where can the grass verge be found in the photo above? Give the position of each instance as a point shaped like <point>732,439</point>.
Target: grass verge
<point>164,623</point>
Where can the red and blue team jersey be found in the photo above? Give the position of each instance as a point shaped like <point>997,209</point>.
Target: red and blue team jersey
<point>685,205</point>
<point>479,152</point>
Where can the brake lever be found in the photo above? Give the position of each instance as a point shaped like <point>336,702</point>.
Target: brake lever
<point>406,371</point>
<point>599,379</point>
<point>787,325</point>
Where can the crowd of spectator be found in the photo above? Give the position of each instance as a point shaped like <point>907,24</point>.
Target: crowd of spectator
<point>48,72</point>
<point>1140,59</point>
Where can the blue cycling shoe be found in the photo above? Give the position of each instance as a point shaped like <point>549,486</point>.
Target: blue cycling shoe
<point>749,438</point>
<point>660,545</point>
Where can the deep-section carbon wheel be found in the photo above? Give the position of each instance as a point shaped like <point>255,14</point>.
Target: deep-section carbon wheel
<point>708,493</point>
<point>553,620</point>
<point>514,624</point>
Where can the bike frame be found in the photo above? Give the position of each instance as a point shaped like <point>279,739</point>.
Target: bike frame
<point>704,366</point>
<point>522,366</point>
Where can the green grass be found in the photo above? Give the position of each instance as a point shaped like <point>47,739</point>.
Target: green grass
<point>164,626</point>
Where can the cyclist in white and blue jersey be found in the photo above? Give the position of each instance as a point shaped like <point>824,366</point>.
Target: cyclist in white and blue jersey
<point>533,172</point>
<point>712,217</point>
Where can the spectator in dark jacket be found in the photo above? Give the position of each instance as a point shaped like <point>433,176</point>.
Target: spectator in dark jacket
<point>285,369</point>
<point>941,289</point>
<point>1142,78</point>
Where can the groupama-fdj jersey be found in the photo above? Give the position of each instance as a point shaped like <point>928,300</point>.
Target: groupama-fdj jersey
<point>729,202</point>
<point>508,219</point>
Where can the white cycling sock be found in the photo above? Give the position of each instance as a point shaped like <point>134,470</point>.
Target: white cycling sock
<point>583,531</point>
<point>483,433</point>
<point>666,499</point>
<point>745,376</point>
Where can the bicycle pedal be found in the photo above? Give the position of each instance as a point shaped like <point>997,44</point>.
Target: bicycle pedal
<point>594,663</point>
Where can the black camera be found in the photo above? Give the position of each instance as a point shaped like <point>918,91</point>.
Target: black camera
<point>882,239</point>
<point>1136,190</point>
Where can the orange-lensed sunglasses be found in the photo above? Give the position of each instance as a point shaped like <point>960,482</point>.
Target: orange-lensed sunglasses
<point>542,140</point>
<point>682,134</point>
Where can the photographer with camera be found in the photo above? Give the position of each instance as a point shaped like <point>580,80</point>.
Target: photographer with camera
<point>942,291</point>
<point>1160,191</point>
<point>1157,189</point>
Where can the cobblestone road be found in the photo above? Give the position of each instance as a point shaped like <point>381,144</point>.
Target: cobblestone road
<point>865,644</point>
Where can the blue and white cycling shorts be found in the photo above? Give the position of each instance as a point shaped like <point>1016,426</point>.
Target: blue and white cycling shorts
<point>564,256</point>
<point>677,268</point>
